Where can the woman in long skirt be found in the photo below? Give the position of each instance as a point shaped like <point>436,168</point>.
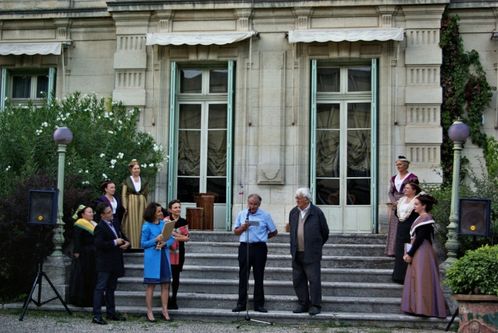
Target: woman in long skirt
<point>134,200</point>
<point>396,191</point>
<point>422,292</point>
<point>83,274</point>
<point>406,216</point>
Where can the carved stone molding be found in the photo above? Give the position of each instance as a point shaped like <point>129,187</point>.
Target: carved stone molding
<point>386,15</point>
<point>303,17</point>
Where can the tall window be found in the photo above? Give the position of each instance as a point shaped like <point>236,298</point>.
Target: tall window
<point>202,133</point>
<point>343,135</point>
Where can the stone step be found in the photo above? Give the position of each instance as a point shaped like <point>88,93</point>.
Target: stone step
<point>348,318</point>
<point>276,260</point>
<point>272,302</point>
<point>282,287</point>
<point>284,248</point>
<point>283,237</point>
<point>275,273</point>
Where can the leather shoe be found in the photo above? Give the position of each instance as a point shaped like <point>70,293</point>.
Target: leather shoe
<point>300,309</point>
<point>99,320</point>
<point>166,319</point>
<point>172,306</point>
<point>150,320</point>
<point>116,317</point>
<point>314,310</point>
<point>239,308</point>
<point>260,309</point>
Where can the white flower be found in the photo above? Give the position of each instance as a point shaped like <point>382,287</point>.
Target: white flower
<point>80,171</point>
<point>151,165</point>
<point>7,168</point>
<point>106,114</point>
<point>120,155</point>
<point>38,131</point>
<point>110,132</point>
<point>143,165</point>
<point>113,161</point>
<point>85,182</point>
<point>86,171</point>
<point>104,176</point>
<point>44,124</point>
<point>111,166</point>
<point>102,155</point>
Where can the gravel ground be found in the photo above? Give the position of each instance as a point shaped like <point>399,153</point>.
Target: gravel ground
<point>55,322</point>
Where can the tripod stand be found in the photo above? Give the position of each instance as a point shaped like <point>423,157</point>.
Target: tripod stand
<point>38,282</point>
<point>247,317</point>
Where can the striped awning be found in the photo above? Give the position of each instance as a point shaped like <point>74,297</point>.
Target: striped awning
<point>341,35</point>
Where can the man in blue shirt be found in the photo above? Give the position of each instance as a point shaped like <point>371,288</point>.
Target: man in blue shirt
<point>254,226</point>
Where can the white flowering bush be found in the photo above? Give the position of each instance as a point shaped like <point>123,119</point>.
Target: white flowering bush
<point>105,139</point>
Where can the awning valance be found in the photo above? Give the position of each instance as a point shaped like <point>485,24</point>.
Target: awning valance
<point>198,38</point>
<point>349,35</point>
<point>18,48</point>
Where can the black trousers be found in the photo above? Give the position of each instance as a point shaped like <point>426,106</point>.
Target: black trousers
<point>175,283</point>
<point>304,274</point>
<point>106,283</point>
<point>257,260</point>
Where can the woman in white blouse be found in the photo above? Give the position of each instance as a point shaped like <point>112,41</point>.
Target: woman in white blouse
<point>406,216</point>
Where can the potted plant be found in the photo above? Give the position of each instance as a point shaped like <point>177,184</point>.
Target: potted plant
<point>473,279</point>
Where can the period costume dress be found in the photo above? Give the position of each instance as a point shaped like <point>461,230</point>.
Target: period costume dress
<point>134,200</point>
<point>83,275</point>
<point>177,259</point>
<point>396,187</point>
<point>422,292</point>
<point>157,267</point>
<point>406,216</point>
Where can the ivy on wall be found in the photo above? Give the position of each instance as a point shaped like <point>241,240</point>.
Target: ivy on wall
<point>466,92</point>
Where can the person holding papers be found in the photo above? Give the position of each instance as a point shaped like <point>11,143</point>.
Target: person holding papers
<point>156,239</point>
<point>255,227</point>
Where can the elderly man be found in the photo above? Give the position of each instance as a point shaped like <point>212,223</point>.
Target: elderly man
<point>308,233</point>
<point>254,226</point>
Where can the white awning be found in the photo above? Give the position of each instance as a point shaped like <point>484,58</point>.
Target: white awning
<point>30,48</point>
<point>341,35</point>
<point>197,38</point>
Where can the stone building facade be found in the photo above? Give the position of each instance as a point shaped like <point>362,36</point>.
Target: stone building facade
<point>259,96</point>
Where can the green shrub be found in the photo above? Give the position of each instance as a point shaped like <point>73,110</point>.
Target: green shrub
<point>475,272</point>
<point>478,187</point>
<point>105,140</point>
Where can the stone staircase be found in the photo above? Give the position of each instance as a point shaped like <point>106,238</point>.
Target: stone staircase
<point>356,283</point>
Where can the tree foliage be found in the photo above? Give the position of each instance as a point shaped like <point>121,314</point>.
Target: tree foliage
<point>105,139</point>
<point>466,92</point>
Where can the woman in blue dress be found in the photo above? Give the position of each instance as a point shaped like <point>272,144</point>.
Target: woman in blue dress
<point>157,268</point>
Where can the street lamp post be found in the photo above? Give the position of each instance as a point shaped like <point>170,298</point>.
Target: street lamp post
<point>62,136</point>
<point>458,133</point>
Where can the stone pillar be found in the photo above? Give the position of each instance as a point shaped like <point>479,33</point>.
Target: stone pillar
<point>130,58</point>
<point>423,92</point>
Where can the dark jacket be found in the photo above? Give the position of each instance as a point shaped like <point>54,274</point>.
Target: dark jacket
<point>109,257</point>
<point>118,217</point>
<point>316,233</point>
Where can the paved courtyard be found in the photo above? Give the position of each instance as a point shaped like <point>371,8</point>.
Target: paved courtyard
<point>54,322</point>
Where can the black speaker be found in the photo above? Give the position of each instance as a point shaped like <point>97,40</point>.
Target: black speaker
<point>474,217</point>
<point>43,206</point>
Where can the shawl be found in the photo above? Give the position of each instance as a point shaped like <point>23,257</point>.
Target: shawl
<point>420,221</point>
<point>405,208</point>
<point>85,225</point>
